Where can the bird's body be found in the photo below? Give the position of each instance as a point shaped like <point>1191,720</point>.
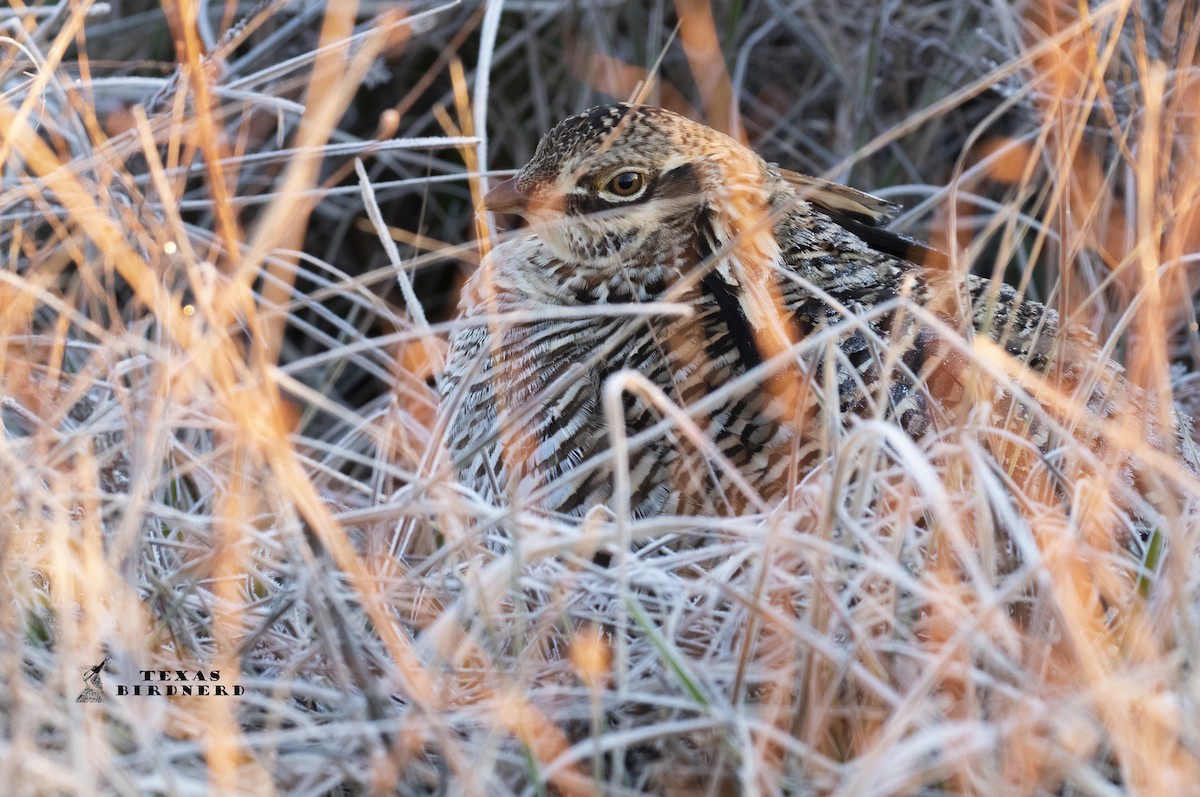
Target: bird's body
<point>796,313</point>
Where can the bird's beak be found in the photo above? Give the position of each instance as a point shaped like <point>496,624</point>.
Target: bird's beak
<point>507,198</point>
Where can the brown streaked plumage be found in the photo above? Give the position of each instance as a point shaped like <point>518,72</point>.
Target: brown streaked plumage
<point>801,313</point>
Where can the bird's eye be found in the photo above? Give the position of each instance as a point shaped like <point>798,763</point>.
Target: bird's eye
<point>626,184</point>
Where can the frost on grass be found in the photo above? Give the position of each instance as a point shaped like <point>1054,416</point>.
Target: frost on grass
<point>221,453</point>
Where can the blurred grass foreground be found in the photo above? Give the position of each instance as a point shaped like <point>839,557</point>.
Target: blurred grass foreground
<point>234,562</point>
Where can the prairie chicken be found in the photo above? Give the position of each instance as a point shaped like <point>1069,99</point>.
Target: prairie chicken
<point>766,310</point>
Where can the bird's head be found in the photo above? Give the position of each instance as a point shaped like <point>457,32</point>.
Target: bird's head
<point>619,184</point>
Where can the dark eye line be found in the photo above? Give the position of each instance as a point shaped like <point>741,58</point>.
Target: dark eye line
<point>592,202</point>
<point>681,183</point>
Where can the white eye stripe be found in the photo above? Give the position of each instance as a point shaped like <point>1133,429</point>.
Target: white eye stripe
<point>606,195</point>
<point>611,197</point>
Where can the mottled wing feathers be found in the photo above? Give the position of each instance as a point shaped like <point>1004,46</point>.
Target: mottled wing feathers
<point>866,216</point>
<point>841,201</point>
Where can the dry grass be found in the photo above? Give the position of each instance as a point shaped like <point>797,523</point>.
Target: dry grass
<point>216,375</point>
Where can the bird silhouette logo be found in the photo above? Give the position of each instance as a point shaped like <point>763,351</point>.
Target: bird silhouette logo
<point>93,688</point>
